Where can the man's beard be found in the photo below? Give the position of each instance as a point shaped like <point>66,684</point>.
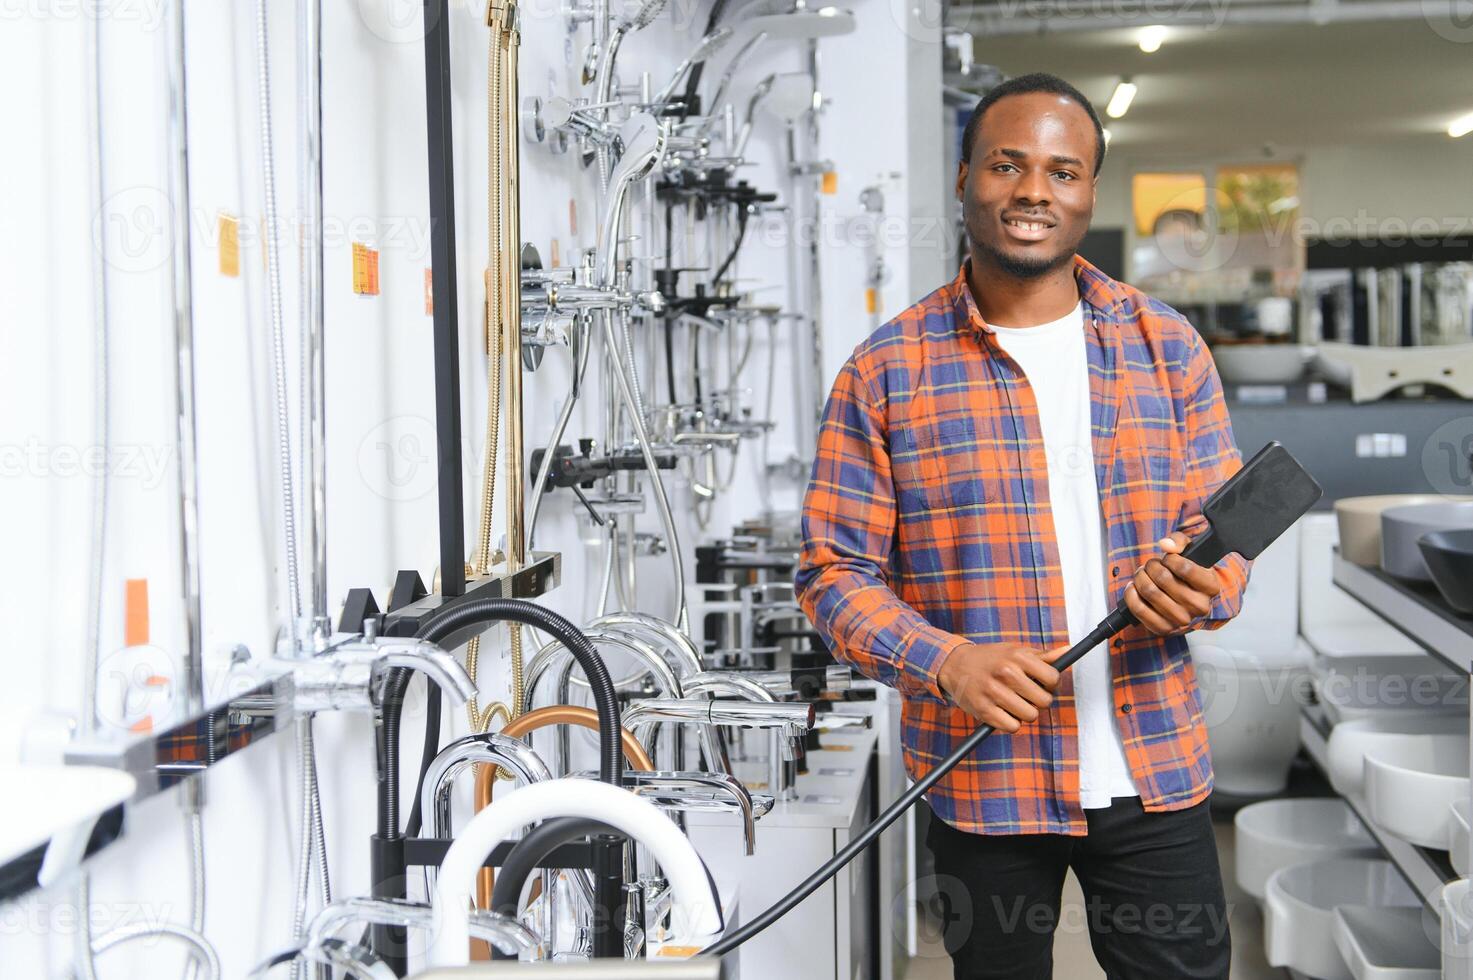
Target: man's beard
<point>1019,267</point>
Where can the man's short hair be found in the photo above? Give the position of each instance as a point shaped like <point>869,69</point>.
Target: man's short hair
<point>1026,85</point>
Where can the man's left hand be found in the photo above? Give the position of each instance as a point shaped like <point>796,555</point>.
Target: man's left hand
<point>1169,593</point>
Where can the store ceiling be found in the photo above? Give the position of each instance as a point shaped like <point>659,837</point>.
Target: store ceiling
<point>1209,90</point>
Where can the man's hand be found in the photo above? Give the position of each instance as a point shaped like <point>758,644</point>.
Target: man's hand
<point>1003,684</point>
<point>1169,592</point>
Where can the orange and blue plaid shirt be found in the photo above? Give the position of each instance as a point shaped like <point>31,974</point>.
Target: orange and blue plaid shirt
<point>927,526</point>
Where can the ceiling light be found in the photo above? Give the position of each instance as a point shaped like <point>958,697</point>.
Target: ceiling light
<point>1106,133</point>
<point>1461,126</point>
<point>1120,102</point>
<point>1151,37</point>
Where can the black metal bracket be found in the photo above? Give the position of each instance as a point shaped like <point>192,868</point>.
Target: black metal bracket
<point>443,293</point>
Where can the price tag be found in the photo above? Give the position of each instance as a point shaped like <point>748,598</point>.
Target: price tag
<point>365,270</point>
<point>228,232</point>
<point>429,292</point>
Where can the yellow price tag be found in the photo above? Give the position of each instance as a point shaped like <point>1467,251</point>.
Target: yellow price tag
<point>228,232</point>
<point>830,183</point>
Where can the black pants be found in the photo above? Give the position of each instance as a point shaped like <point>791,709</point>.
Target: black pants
<point>1153,899</point>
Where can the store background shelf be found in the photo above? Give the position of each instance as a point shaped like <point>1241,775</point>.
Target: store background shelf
<point>1425,870</point>
<point>1415,609</point>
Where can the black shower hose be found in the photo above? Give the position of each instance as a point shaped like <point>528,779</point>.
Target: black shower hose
<point>485,612</point>
<point>1108,627</point>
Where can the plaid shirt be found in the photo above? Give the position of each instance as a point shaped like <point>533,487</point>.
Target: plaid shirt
<point>927,526</point>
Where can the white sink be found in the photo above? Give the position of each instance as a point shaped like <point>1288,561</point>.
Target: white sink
<point>1386,944</point>
<point>58,806</point>
<point>1411,787</point>
<point>1377,686</point>
<point>1275,834</point>
<point>1300,903</point>
<point>1350,741</point>
<point>1455,908</point>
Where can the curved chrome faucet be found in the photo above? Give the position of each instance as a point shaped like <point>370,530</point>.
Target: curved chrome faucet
<point>550,652</point>
<point>707,792</point>
<point>348,675</point>
<point>321,946</point>
<point>683,650</point>
<point>485,747</point>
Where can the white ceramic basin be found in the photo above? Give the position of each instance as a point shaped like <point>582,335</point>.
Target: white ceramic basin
<point>1455,908</point>
<point>1299,910</point>
<point>1376,686</point>
<point>1458,850</point>
<point>1276,834</point>
<point>1411,787</point>
<point>1350,741</point>
<point>1386,944</point>
<point>59,805</point>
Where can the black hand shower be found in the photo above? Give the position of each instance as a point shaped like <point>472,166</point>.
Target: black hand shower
<point>1245,515</point>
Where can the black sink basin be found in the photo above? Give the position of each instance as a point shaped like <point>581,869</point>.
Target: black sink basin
<point>1449,556</point>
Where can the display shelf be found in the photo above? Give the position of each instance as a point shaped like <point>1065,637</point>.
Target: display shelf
<point>1416,609</point>
<point>1424,869</point>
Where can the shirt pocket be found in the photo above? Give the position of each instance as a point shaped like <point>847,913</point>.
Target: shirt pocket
<point>936,464</point>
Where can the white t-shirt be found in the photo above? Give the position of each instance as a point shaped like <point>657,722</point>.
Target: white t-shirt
<point>1053,358</point>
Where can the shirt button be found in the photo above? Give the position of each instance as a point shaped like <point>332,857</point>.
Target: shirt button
<point>1125,709</point>
<point>1114,571</point>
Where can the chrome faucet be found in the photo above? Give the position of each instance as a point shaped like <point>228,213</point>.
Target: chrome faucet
<point>787,720</point>
<point>349,674</point>
<point>321,946</point>
<point>485,748</point>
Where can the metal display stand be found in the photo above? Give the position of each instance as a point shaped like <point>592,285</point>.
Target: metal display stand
<point>1420,613</point>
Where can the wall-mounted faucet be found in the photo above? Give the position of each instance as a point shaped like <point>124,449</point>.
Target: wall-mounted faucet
<point>349,675</point>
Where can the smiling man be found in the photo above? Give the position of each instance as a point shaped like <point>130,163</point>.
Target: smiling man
<point>998,466</point>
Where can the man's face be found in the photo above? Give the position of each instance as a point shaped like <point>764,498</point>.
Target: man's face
<point>1029,191</point>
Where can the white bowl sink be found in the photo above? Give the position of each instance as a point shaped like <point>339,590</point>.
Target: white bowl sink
<point>1455,908</point>
<point>1458,849</point>
<point>58,806</point>
<point>1411,787</point>
<point>1350,741</point>
<point>1376,686</point>
<point>1275,834</point>
<point>1300,903</point>
<point>1386,944</point>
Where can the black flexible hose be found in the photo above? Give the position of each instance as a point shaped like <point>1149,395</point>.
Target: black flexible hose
<point>736,246</point>
<point>1108,627</point>
<point>426,756</point>
<point>473,613</point>
<point>524,859</point>
<point>693,80</point>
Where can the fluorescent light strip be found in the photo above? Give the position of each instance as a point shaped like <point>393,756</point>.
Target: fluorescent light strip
<point>1151,37</point>
<point>1461,126</point>
<point>1120,101</point>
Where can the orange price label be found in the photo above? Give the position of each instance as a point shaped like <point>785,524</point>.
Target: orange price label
<point>830,183</point>
<point>365,270</point>
<point>429,292</point>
